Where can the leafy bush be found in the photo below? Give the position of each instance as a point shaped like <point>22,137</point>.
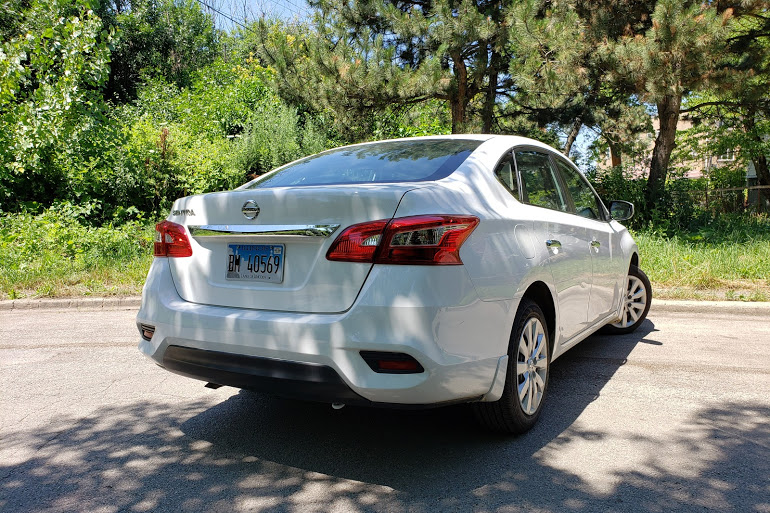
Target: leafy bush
<point>678,209</point>
<point>51,72</point>
<point>428,118</point>
<point>52,253</point>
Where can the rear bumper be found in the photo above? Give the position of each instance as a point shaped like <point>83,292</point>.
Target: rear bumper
<point>438,320</point>
<point>288,379</point>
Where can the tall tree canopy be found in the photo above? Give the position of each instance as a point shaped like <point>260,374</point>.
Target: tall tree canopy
<point>368,54</point>
<point>159,38</point>
<point>735,112</point>
<point>677,55</point>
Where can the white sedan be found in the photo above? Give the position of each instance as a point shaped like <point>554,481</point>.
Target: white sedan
<point>412,272</point>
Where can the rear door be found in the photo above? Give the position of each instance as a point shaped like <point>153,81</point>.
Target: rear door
<point>606,260</point>
<point>567,241</point>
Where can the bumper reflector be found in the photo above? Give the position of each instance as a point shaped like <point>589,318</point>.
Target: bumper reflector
<point>147,331</point>
<point>384,362</point>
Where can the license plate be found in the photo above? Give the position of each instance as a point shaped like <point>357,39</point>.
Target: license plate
<point>255,262</point>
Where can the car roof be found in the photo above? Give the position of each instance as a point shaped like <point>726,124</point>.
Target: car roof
<point>511,140</point>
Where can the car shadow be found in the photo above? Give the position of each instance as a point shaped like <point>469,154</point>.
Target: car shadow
<point>253,452</point>
<point>388,446</point>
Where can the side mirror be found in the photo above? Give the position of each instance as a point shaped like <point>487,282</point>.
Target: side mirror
<point>621,210</point>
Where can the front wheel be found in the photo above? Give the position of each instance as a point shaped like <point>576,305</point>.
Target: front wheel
<point>526,381</point>
<point>636,304</point>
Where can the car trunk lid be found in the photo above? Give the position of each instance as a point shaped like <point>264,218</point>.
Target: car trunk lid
<point>277,259</point>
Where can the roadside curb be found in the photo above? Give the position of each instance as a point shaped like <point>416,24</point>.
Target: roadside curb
<point>731,307</point>
<point>88,303</point>
<point>134,302</point>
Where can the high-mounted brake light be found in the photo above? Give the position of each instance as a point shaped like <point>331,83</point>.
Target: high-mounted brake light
<point>171,240</point>
<point>416,240</point>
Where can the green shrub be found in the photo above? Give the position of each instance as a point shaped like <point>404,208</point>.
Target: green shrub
<point>53,253</point>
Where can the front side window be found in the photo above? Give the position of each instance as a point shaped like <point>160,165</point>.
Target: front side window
<point>586,203</point>
<point>381,162</point>
<point>541,186</point>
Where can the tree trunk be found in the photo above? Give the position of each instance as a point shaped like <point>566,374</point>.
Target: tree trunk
<point>668,116</point>
<point>615,155</point>
<point>759,161</point>
<point>763,176</point>
<point>458,100</point>
<point>488,112</point>
<point>573,133</point>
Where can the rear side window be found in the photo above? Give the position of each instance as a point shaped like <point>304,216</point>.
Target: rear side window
<point>382,162</point>
<point>506,174</point>
<point>541,185</point>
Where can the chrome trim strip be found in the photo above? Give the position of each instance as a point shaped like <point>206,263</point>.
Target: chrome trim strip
<point>227,230</point>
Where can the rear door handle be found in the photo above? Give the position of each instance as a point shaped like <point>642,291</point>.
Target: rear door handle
<point>552,243</point>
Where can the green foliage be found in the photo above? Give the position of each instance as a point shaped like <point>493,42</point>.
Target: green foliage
<point>726,258</point>
<point>428,118</point>
<point>678,52</point>
<point>212,135</point>
<point>362,57</point>
<point>675,211</point>
<point>168,39</point>
<point>54,254</point>
<point>51,71</point>
<point>272,139</point>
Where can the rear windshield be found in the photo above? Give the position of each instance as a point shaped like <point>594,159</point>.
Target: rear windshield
<point>382,162</point>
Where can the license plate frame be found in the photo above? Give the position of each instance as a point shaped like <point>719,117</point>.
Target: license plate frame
<point>255,262</point>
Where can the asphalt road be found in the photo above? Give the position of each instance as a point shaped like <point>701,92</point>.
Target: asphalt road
<point>673,418</point>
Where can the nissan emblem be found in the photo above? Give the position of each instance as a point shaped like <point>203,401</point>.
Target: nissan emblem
<point>250,209</point>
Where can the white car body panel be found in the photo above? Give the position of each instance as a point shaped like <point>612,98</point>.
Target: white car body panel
<point>455,320</point>
<point>439,325</point>
<point>311,283</point>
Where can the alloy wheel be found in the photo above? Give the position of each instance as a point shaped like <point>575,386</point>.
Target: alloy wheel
<point>532,366</point>
<point>634,304</point>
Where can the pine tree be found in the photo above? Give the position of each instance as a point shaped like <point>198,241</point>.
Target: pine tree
<point>561,67</point>
<point>367,54</point>
<point>678,54</point>
<point>736,110</point>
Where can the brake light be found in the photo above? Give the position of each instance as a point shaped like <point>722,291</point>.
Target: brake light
<point>416,240</point>
<point>171,240</point>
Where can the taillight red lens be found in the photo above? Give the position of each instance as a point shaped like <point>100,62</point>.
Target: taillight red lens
<point>171,240</point>
<point>425,240</point>
<point>358,242</point>
<point>417,240</point>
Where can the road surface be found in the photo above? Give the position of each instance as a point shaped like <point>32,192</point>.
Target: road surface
<point>673,418</point>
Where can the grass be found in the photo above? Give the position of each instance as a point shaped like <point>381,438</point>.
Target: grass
<point>47,256</point>
<point>729,259</point>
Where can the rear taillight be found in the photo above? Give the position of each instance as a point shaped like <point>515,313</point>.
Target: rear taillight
<point>171,240</point>
<point>357,243</point>
<point>417,240</point>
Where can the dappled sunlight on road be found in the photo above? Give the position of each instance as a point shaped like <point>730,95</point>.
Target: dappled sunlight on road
<point>252,452</point>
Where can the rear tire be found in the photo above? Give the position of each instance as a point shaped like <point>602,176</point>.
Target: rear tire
<point>636,303</point>
<point>526,380</point>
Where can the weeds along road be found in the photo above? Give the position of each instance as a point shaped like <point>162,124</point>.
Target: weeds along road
<point>674,418</point>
